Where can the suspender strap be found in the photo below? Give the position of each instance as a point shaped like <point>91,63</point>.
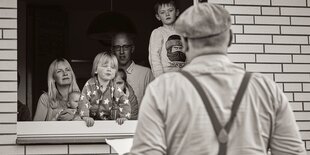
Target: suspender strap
<point>221,132</point>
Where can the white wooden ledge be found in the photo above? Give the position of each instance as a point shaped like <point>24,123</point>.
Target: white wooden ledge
<point>72,132</point>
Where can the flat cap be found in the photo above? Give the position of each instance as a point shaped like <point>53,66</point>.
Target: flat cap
<point>203,20</point>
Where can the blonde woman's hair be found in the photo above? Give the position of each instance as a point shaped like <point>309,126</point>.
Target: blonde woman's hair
<point>52,89</point>
<point>103,57</point>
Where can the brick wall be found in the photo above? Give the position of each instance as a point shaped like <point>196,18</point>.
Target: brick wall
<point>271,36</point>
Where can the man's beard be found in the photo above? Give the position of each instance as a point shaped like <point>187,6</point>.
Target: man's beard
<point>176,56</point>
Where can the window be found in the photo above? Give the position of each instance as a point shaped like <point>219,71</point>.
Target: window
<point>51,29</point>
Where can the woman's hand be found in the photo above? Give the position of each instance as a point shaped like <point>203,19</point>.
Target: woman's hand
<point>120,121</point>
<point>89,121</point>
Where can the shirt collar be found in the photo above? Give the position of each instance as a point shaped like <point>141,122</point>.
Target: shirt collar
<point>130,68</point>
<point>211,63</point>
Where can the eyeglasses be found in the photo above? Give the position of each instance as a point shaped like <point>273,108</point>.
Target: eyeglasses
<point>117,48</point>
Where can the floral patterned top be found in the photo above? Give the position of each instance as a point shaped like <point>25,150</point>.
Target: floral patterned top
<point>107,104</point>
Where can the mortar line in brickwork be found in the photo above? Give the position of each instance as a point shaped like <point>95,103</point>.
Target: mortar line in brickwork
<point>265,5</point>
<point>8,59</point>
<point>7,8</point>
<point>8,70</point>
<point>264,48</point>
<point>254,20</point>
<point>68,148</point>
<point>292,59</point>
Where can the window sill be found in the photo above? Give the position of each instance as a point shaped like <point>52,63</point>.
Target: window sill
<point>72,132</point>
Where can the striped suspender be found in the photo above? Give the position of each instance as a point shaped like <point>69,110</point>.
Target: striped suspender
<point>221,132</point>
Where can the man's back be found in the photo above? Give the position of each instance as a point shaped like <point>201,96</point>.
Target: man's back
<point>173,119</point>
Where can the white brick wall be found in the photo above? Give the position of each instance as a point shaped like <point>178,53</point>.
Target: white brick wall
<point>282,49</point>
<point>282,39</point>
<point>270,11</point>
<point>290,11</point>
<point>253,39</point>
<point>272,36</point>
<point>305,49</point>
<point>268,58</point>
<point>272,20</point>
<point>303,30</point>
<point>300,20</point>
<point>288,2</point>
<point>244,20</point>
<point>262,29</point>
<point>252,2</point>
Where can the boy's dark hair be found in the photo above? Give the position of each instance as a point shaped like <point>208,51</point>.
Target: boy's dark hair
<point>163,2</point>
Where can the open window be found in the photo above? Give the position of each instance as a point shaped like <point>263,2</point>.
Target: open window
<point>51,29</point>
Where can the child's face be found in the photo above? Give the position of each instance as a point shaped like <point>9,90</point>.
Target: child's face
<point>120,83</point>
<point>106,71</point>
<point>74,101</point>
<point>167,14</point>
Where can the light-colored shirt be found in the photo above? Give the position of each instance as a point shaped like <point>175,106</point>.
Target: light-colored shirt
<point>174,121</point>
<point>138,78</point>
<point>47,110</point>
<point>158,55</point>
<point>99,103</point>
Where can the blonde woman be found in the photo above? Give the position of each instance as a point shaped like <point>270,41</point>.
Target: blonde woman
<point>61,81</point>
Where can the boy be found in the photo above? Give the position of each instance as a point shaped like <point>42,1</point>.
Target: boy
<point>160,59</point>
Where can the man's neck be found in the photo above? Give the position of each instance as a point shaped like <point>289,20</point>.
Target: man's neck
<point>125,67</point>
<point>170,27</point>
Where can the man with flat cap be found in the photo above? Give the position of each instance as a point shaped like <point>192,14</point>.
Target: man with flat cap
<point>213,106</point>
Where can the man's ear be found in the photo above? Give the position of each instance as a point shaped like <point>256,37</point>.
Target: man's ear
<point>230,38</point>
<point>133,49</point>
<point>157,17</point>
<point>184,44</point>
<point>177,12</point>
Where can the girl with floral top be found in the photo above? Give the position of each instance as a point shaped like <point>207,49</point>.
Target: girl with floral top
<point>105,101</point>
<point>121,82</point>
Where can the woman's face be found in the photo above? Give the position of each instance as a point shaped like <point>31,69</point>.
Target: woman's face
<point>120,83</point>
<point>106,71</point>
<point>63,75</point>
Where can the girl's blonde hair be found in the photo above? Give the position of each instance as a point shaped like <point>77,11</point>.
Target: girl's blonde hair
<point>52,89</point>
<point>103,57</point>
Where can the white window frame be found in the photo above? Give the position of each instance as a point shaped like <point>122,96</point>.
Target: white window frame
<point>73,132</point>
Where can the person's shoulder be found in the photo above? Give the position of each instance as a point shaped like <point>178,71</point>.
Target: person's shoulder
<point>158,30</point>
<point>259,77</point>
<point>90,81</point>
<point>142,68</point>
<point>44,95</point>
<point>168,79</point>
<point>44,98</point>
